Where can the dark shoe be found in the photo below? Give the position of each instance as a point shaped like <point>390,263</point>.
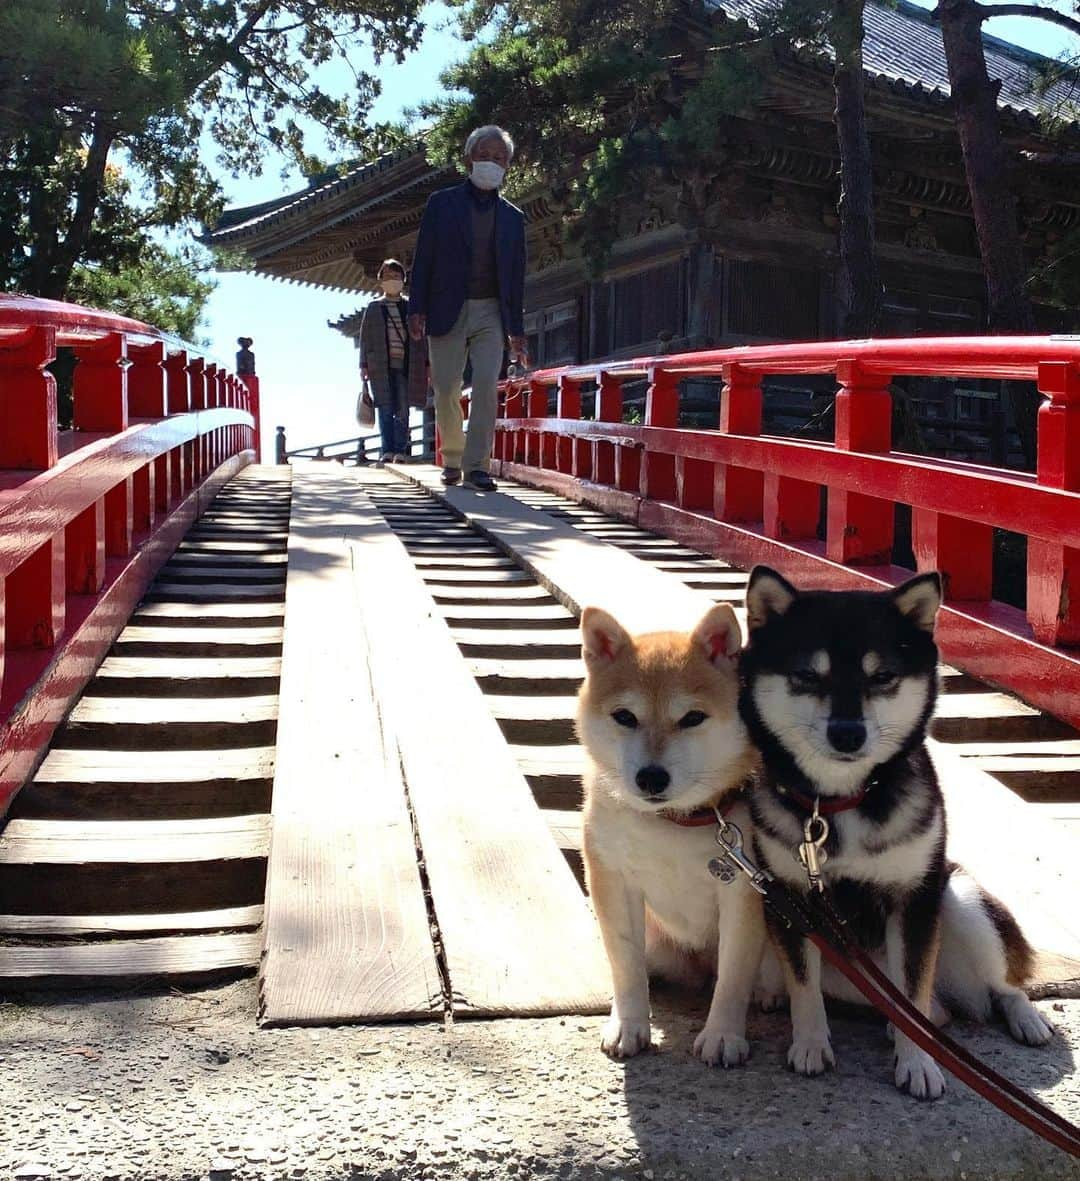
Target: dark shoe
<point>481,481</point>
<point>451,475</point>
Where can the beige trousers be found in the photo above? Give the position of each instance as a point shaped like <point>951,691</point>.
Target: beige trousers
<point>477,335</point>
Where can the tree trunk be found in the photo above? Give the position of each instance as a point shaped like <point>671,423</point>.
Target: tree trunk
<point>857,248</point>
<point>87,195</point>
<point>706,299</point>
<point>993,203</point>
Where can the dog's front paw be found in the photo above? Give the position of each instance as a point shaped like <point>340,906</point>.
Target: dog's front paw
<point>811,1055</point>
<point>1025,1022</point>
<point>715,1047</point>
<point>623,1038</point>
<point>918,1074</point>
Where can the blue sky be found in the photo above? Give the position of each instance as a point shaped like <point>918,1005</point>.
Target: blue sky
<point>308,372</point>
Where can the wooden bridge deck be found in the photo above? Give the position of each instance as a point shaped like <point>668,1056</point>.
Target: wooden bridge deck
<point>424,752</point>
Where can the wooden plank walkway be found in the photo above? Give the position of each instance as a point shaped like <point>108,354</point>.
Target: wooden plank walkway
<point>347,935</point>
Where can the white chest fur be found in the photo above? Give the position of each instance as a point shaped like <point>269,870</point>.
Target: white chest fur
<point>667,863</point>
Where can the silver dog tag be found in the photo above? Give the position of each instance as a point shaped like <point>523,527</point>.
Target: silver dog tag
<point>721,867</point>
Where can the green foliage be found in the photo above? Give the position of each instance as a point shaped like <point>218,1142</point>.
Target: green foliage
<point>1056,279</point>
<point>105,106</point>
<point>161,287</point>
<point>603,98</point>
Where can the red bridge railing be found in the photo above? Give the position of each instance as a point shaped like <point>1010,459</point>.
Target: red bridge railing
<point>88,515</point>
<point>748,497</point>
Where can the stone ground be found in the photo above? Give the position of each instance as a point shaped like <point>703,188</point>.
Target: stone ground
<point>184,1085</point>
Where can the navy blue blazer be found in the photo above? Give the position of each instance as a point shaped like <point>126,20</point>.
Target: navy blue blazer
<point>439,284</point>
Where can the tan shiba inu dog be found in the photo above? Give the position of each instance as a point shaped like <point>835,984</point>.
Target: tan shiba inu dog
<point>658,720</point>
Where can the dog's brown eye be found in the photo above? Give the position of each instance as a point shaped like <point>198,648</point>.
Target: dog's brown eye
<point>882,678</point>
<point>694,718</point>
<point>625,718</point>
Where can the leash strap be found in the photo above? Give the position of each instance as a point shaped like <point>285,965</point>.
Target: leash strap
<point>814,917</point>
<point>821,924</point>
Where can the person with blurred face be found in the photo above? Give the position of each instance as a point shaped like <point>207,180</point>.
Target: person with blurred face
<point>392,365</point>
<point>468,295</point>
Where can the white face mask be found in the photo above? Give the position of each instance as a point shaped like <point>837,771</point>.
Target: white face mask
<point>392,286</point>
<point>486,174</point>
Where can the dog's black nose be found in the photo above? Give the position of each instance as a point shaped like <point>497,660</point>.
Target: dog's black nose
<point>653,779</point>
<point>846,735</point>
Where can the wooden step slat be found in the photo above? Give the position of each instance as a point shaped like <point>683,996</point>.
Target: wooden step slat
<point>177,591</point>
<point>133,842</point>
<point>210,636</point>
<point>170,723</point>
<point>237,614</point>
<point>520,616</point>
<point>457,578</point>
<point>188,676</point>
<point>132,958</point>
<point>74,926</point>
<point>522,592</point>
<point>126,766</point>
<point>161,711</point>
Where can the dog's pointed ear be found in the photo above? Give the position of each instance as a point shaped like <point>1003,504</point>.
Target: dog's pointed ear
<point>767,593</point>
<point>919,599</point>
<point>718,634</point>
<point>603,637</point>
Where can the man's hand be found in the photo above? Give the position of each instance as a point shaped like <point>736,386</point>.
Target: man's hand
<point>417,326</point>
<point>519,346</point>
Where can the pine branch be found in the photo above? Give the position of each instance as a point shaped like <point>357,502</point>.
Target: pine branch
<point>1035,11</point>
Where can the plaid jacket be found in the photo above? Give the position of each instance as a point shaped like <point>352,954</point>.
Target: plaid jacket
<point>375,355</point>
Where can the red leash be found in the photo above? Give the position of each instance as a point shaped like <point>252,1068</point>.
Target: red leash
<point>814,917</point>
<point>880,991</point>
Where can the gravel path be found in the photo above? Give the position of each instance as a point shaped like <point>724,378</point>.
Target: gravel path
<point>184,1085</point>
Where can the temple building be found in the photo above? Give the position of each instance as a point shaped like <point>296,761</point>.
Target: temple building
<point>769,266</point>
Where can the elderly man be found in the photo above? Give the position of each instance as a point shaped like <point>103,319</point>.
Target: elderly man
<point>468,295</point>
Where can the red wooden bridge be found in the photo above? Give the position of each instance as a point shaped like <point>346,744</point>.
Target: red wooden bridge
<point>316,719</point>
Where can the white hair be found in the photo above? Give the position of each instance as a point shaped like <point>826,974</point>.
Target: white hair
<point>488,131</point>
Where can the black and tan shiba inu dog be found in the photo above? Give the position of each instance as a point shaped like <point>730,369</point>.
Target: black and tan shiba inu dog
<point>837,689</point>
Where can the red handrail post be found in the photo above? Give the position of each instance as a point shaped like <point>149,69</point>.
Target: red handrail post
<point>251,381</point>
<point>34,599</point>
<point>568,405</point>
<point>739,491</point>
<point>961,551</point>
<point>195,368</point>
<point>661,410</point>
<point>143,498</point>
<point>537,442</point>
<point>178,381</point>
<point>84,551</point>
<point>28,437</point>
<point>119,519</point>
<point>100,385</point>
<point>859,528</point>
<point>1053,576</point>
<point>146,380</point>
<point>609,408</point>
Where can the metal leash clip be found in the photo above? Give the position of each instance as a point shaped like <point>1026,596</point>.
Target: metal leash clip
<point>811,853</point>
<point>733,860</point>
